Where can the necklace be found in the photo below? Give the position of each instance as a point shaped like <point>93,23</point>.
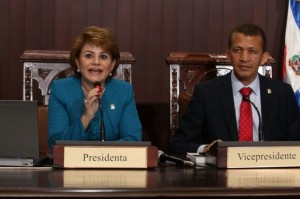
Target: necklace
<point>84,91</point>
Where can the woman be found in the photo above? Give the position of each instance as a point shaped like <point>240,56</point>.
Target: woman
<point>76,106</point>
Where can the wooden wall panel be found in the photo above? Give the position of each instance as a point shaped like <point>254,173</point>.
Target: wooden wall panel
<point>149,29</point>
<point>260,10</point>
<point>169,23</point>
<point>215,26</point>
<point>4,47</point>
<point>246,11</point>
<point>124,23</point>
<point>78,17</point>
<point>231,17</point>
<point>93,14</point>
<point>15,43</point>
<point>140,49</point>
<point>110,14</point>
<point>47,25</point>
<point>185,25</point>
<point>62,24</point>
<point>201,11</point>
<point>154,49</point>
<point>32,26</point>
<point>275,30</point>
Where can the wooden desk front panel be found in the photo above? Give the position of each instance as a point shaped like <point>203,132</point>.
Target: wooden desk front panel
<point>162,182</point>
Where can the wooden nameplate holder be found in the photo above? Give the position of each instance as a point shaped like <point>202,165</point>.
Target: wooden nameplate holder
<point>96,154</point>
<point>256,154</point>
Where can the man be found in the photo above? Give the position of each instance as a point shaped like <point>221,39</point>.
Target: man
<point>214,110</point>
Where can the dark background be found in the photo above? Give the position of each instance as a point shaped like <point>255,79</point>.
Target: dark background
<point>149,29</point>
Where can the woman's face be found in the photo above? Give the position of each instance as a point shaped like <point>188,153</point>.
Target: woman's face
<point>94,64</point>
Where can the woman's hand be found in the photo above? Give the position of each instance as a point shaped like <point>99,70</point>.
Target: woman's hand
<point>91,104</point>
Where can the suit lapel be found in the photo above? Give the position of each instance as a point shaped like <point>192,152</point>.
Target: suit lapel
<point>266,100</point>
<point>227,100</point>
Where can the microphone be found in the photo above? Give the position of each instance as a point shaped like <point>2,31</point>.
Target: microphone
<point>98,85</point>
<point>260,123</point>
<point>162,157</point>
<point>102,128</point>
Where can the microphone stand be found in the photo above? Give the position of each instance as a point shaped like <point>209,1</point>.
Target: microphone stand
<point>102,128</point>
<point>260,124</point>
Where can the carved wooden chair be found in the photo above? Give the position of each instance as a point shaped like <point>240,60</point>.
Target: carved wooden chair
<point>188,69</point>
<point>41,67</point>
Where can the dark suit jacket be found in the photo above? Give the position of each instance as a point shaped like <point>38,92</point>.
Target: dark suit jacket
<point>210,114</point>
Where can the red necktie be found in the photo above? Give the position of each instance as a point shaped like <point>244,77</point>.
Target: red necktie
<point>246,128</point>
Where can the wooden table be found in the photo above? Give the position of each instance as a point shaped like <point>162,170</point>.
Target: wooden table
<point>166,181</point>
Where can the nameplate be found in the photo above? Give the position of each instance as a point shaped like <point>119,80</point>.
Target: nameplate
<point>258,154</point>
<point>98,156</point>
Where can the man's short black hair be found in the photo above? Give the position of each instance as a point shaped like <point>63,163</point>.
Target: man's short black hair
<point>248,29</point>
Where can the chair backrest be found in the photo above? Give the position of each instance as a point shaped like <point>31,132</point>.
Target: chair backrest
<point>187,69</point>
<point>42,67</point>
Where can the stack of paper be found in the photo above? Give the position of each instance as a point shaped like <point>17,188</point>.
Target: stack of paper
<point>201,158</point>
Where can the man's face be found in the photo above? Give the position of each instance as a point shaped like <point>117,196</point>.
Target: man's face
<point>246,55</point>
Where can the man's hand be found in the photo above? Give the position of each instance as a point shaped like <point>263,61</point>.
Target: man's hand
<point>206,149</point>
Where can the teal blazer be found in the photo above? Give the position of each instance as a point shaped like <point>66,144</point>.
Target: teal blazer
<point>66,106</point>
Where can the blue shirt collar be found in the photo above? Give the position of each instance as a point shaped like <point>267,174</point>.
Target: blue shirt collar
<point>237,85</point>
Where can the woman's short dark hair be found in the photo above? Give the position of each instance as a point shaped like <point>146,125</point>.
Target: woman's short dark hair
<point>249,29</point>
<point>99,37</point>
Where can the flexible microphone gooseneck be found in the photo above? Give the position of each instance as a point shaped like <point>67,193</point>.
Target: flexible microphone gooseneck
<point>102,127</point>
<point>260,125</point>
<point>162,157</point>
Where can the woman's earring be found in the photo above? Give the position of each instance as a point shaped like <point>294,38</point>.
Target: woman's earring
<point>78,70</point>
<point>110,74</point>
